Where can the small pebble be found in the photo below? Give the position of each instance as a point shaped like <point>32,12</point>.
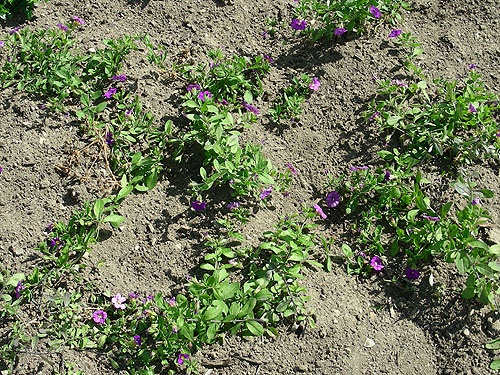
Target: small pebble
<point>369,343</point>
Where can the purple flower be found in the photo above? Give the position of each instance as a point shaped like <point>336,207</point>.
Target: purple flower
<point>1,169</point>
<point>475,201</point>
<point>471,66</point>
<point>56,242</point>
<point>250,108</point>
<point>121,78</point>
<point>174,329</point>
<point>99,316</point>
<point>362,255</point>
<point>224,102</point>
<point>265,192</point>
<point>315,84</point>
<point>110,93</point>
<point>332,199</point>
<point>387,176</point>
<point>264,34</point>
<point>18,289</point>
<point>472,109</point>
<point>204,95</point>
<point>109,139</point>
<point>431,218</point>
<point>14,30</point>
<point>50,227</point>
<point>340,31</point>
<point>320,211</point>
<point>171,301</point>
<point>232,205</point>
<point>128,113</point>
<point>2,44</point>
<point>62,27</point>
<point>133,295</point>
<point>498,135</point>
<point>298,25</point>
<point>193,86</point>
<point>355,169</point>
<point>181,358</point>
<point>118,300</point>
<point>376,263</point>
<point>375,11</point>
<point>78,20</point>
<point>268,59</point>
<point>233,262</point>
<point>138,340</point>
<point>394,33</point>
<point>397,82</point>
<point>412,274</point>
<point>374,116</point>
<point>198,205</point>
<point>292,169</point>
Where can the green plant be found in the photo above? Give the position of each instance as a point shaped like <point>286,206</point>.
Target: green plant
<point>289,104</point>
<point>9,7</point>
<point>322,18</point>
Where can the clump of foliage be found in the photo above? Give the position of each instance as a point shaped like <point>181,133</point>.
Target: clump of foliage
<point>9,8</point>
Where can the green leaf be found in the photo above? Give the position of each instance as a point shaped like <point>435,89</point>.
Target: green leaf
<point>462,189</point>
<point>248,97</point>
<point>14,280</point>
<point>203,173</point>
<point>495,249</point>
<point>494,266</point>
<point>386,155</point>
<point>211,332</point>
<point>266,179</point>
<point>255,328</point>
<point>495,365</point>
<point>98,208</point>
<point>211,313</point>
<point>114,219</point>
<point>247,308</point>
<point>190,104</point>
<point>478,244</point>
<point>468,293</point>
<point>394,248</point>
<point>493,345</point>
<point>484,270</point>
<point>393,120</point>
<point>100,107</point>
<point>152,179</point>
<point>487,193</point>
<point>124,192</point>
<point>445,209</point>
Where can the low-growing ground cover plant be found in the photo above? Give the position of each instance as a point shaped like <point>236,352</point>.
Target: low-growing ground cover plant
<point>321,18</point>
<point>9,8</point>
<point>455,119</point>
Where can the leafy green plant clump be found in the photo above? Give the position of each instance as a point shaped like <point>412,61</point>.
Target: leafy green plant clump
<point>325,18</point>
<point>9,8</point>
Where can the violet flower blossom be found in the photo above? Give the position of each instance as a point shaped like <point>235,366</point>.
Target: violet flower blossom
<point>315,84</point>
<point>374,116</point>
<point>332,199</point>
<point>265,192</point>
<point>298,25</point>
<point>198,205</point>
<point>319,211</point>
<point>375,11</point>
<point>181,358</point>
<point>99,316</point>
<point>78,20</point>
<point>376,263</point>
<point>412,274</point>
<point>62,27</point>
<point>118,300</point>
<point>121,78</point>
<point>204,95</point>
<point>292,169</point>
<point>110,93</point>
<point>193,86</point>
<point>339,31</point>
<point>250,108</point>
<point>431,218</point>
<point>395,33</point>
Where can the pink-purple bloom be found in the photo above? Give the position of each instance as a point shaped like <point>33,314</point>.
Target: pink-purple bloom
<point>78,20</point>
<point>375,11</point>
<point>376,263</point>
<point>399,83</point>
<point>471,66</point>
<point>265,192</point>
<point>121,78</point>
<point>14,30</point>
<point>395,33</point>
<point>340,31</point>
<point>232,205</point>
<point>138,340</point>
<point>298,25</point>
<point>314,85</point>
<point>118,300</point>
<point>387,176</point>
<point>181,358</point>
<point>109,139</point>
<point>332,199</point>
<point>2,44</point>
<point>374,116</point>
<point>128,112</point>
<point>99,316</point>
<point>193,86</point>
<point>292,169</point>
<point>475,201</point>
<point>18,289</point>
<point>198,205</point>
<point>110,93</point>
<point>472,109</point>
<point>319,211</point>
<point>204,95</point>
<point>268,58</point>
<point>56,242</point>
<point>250,108</point>
<point>62,27</point>
<point>412,274</point>
<point>431,218</point>
<point>171,301</point>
